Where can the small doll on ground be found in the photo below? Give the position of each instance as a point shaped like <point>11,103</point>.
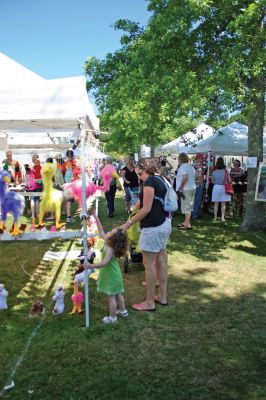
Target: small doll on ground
<point>59,300</point>
<point>3,297</point>
<point>110,279</point>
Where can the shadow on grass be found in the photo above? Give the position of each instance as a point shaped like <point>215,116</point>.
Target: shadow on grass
<point>201,347</point>
<point>20,261</point>
<point>207,240</point>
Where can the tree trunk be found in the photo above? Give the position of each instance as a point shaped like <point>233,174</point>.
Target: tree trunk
<point>152,150</point>
<point>255,219</point>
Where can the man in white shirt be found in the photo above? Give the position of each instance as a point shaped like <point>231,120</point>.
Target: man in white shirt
<point>185,187</point>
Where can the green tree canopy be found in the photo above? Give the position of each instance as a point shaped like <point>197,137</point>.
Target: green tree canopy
<point>197,60</point>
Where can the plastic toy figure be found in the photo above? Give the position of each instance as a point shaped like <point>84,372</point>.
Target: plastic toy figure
<point>3,297</point>
<point>59,300</point>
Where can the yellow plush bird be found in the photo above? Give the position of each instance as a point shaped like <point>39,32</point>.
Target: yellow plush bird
<point>51,199</point>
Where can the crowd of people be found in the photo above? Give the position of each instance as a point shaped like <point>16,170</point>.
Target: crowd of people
<point>28,177</point>
<point>144,187</point>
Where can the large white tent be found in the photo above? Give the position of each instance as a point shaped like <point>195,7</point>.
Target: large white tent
<point>30,103</point>
<point>230,140</point>
<point>13,74</point>
<point>51,104</point>
<point>183,143</point>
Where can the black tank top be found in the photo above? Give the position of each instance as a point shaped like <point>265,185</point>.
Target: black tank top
<point>157,215</point>
<point>132,177</point>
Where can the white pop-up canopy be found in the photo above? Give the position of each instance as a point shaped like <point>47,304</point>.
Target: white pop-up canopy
<point>181,144</point>
<point>30,103</point>
<point>13,74</point>
<point>230,140</point>
<point>53,104</point>
<point>32,138</point>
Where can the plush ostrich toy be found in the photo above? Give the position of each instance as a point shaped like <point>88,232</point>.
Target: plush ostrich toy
<point>11,202</point>
<point>59,300</point>
<point>74,189</point>
<point>3,297</point>
<point>77,298</point>
<point>51,199</point>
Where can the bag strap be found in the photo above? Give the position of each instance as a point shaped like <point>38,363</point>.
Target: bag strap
<point>225,176</point>
<point>166,187</point>
<point>162,180</point>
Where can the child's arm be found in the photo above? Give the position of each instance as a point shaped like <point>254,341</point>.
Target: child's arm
<point>107,258</point>
<point>99,224</point>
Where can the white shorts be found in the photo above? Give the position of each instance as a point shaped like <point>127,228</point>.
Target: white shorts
<point>155,239</point>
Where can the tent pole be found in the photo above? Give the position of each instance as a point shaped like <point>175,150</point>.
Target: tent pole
<point>208,170</point>
<point>83,217</point>
<point>97,199</point>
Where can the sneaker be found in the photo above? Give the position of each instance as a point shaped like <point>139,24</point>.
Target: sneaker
<point>70,219</point>
<point>122,313</point>
<point>110,320</point>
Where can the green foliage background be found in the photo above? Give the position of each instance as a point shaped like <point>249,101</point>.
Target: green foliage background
<point>195,61</point>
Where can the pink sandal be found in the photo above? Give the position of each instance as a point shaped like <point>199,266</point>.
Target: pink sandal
<point>142,307</point>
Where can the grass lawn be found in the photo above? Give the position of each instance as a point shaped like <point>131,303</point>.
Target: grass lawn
<point>208,344</point>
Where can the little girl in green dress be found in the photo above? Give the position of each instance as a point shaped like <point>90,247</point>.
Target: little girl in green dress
<point>110,279</point>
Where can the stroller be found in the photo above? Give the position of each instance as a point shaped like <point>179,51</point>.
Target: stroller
<point>135,256</point>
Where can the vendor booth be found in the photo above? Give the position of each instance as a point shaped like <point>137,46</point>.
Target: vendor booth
<point>38,112</point>
<point>184,142</point>
<point>230,142</point>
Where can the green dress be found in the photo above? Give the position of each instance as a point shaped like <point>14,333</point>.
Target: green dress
<point>110,279</point>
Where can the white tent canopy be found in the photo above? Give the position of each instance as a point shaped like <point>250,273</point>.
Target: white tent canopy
<point>37,139</point>
<point>13,74</point>
<point>181,144</point>
<point>29,102</point>
<point>230,140</point>
<point>58,103</point>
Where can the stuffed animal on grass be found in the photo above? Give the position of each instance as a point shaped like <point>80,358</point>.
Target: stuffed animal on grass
<point>11,202</point>
<point>59,300</point>
<point>51,199</point>
<point>77,298</point>
<point>37,309</point>
<point>3,297</point>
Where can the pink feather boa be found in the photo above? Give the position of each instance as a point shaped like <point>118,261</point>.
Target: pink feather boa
<point>74,189</point>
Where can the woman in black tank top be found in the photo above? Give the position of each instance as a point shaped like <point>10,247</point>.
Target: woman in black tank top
<point>155,231</point>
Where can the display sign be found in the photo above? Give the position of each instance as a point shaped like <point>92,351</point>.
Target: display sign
<point>260,194</point>
<point>252,162</point>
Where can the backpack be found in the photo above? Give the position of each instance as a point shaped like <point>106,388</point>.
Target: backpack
<point>169,202</point>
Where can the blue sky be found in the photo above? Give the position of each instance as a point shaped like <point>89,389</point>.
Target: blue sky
<point>53,38</point>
